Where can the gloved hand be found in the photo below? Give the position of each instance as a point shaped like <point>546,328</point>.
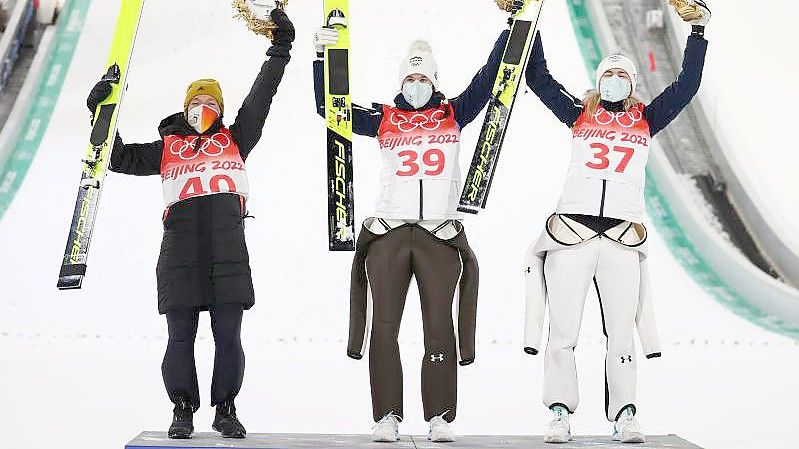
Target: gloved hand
<point>103,88</point>
<point>695,12</point>
<point>323,37</point>
<point>284,34</point>
<point>511,6</point>
<point>99,92</point>
<point>516,6</point>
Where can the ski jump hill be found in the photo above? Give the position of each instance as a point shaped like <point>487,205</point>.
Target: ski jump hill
<point>87,362</point>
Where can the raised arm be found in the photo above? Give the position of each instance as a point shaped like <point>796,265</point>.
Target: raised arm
<point>249,124</point>
<point>676,97</point>
<point>365,121</point>
<point>564,105</point>
<point>140,159</point>
<point>469,104</point>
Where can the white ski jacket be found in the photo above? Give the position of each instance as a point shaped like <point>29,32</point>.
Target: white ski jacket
<point>558,235</point>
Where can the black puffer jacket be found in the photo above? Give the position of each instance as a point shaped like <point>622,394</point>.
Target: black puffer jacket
<point>204,259</point>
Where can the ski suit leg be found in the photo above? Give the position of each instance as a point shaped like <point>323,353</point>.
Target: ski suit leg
<point>437,267</point>
<point>617,284</point>
<point>229,354</point>
<point>388,268</point>
<point>178,368</point>
<point>568,273</point>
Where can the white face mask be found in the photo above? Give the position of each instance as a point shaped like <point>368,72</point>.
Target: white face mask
<point>417,93</point>
<point>202,117</point>
<point>615,89</point>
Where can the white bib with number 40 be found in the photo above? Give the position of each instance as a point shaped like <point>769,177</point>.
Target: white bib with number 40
<point>194,166</point>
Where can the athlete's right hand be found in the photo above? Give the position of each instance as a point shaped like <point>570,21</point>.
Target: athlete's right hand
<point>323,37</point>
<point>99,92</point>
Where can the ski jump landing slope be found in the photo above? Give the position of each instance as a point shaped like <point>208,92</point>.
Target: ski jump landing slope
<point>82,369</point>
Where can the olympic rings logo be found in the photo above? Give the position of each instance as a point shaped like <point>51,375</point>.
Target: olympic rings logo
<point>187,149</point>
<point>626,119</point>
<point>418,120</point>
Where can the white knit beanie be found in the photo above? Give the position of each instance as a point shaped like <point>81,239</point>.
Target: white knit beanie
<point>618,61</point>
<point>419,60</point>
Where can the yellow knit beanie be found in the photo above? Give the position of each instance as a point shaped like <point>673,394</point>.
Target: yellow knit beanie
<point>204,87</point>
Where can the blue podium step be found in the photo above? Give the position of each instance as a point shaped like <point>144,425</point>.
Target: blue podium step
<point>201,440</point>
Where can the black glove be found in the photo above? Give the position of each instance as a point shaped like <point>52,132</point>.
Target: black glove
<point>284,34</point>
<point>99,92</point>
<point>517,6</point>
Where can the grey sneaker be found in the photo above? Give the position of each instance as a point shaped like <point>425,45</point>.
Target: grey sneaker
<point>440,431</point>
<point>559,430</point>
<point>386,430</point>
<point>626,428</point>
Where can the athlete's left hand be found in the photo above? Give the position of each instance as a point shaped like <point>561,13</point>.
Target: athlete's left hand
<point>695,12</point>
<point>284,34</point>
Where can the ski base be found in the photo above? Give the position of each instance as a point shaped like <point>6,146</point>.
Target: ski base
<point>338,117</point>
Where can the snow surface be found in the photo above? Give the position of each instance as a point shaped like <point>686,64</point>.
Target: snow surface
<point>82,368</point>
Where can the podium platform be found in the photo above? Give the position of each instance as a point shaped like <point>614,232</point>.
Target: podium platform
<point>204,440</point>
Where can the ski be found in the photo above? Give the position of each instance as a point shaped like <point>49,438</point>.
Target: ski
<point>509,78</point>
<point>338,115</point>
<point>101,141</point>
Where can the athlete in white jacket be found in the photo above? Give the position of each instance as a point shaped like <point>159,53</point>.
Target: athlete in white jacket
<point>596,237</point>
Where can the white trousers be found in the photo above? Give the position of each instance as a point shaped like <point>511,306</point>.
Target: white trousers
<point>614,270</point>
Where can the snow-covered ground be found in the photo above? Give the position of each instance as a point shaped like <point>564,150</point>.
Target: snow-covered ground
<point>82,368</point>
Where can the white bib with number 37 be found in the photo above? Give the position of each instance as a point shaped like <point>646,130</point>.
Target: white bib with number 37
<point>607,174</point>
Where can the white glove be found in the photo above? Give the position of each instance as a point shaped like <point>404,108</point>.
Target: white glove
<point>261,9</point>
<point>701,5</point>
<point>323,37</point>
<point>694,12</point>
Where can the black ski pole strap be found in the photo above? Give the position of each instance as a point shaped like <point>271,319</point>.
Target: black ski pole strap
<point>78,269</point>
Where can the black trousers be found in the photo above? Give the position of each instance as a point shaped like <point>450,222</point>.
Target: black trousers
<point>391,262</point>
<point>179,369</point>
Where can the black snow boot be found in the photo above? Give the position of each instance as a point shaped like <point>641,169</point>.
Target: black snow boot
<point>182,420</point>
<point>226,423</point>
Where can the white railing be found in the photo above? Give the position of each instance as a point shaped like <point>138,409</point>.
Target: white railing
<point>19,20</point>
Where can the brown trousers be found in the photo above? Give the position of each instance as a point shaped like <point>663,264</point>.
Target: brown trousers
<point>391,261</point>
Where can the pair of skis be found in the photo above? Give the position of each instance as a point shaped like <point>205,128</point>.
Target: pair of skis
<point>101,141</point>
<point>338,116</point>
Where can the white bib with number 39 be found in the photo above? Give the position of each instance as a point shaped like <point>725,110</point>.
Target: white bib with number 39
<point>607,174</point>
<point>420,175</point>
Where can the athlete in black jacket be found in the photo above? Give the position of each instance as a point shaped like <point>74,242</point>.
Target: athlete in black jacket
<point>204,263</point>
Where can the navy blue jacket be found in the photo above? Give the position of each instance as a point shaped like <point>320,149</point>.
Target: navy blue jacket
<point>659,113</point>
<point>366,121</point>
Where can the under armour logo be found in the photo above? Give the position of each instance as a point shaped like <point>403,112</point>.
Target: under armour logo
<point>627,359</point>
<point>529,270</point>
<point>437,357</point>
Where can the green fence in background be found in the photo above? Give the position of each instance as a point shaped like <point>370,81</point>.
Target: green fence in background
<point>34,126</point>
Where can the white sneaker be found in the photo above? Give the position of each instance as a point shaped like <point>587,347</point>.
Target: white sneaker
<point>386,430</point>
<point>626,428</point>
<point>559,430</point>
<point>440,431</point>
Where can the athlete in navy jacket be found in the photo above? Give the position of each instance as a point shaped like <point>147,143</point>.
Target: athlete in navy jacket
<point>596,234</point>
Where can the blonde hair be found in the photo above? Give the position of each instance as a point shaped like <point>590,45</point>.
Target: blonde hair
<point>592,100</point>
